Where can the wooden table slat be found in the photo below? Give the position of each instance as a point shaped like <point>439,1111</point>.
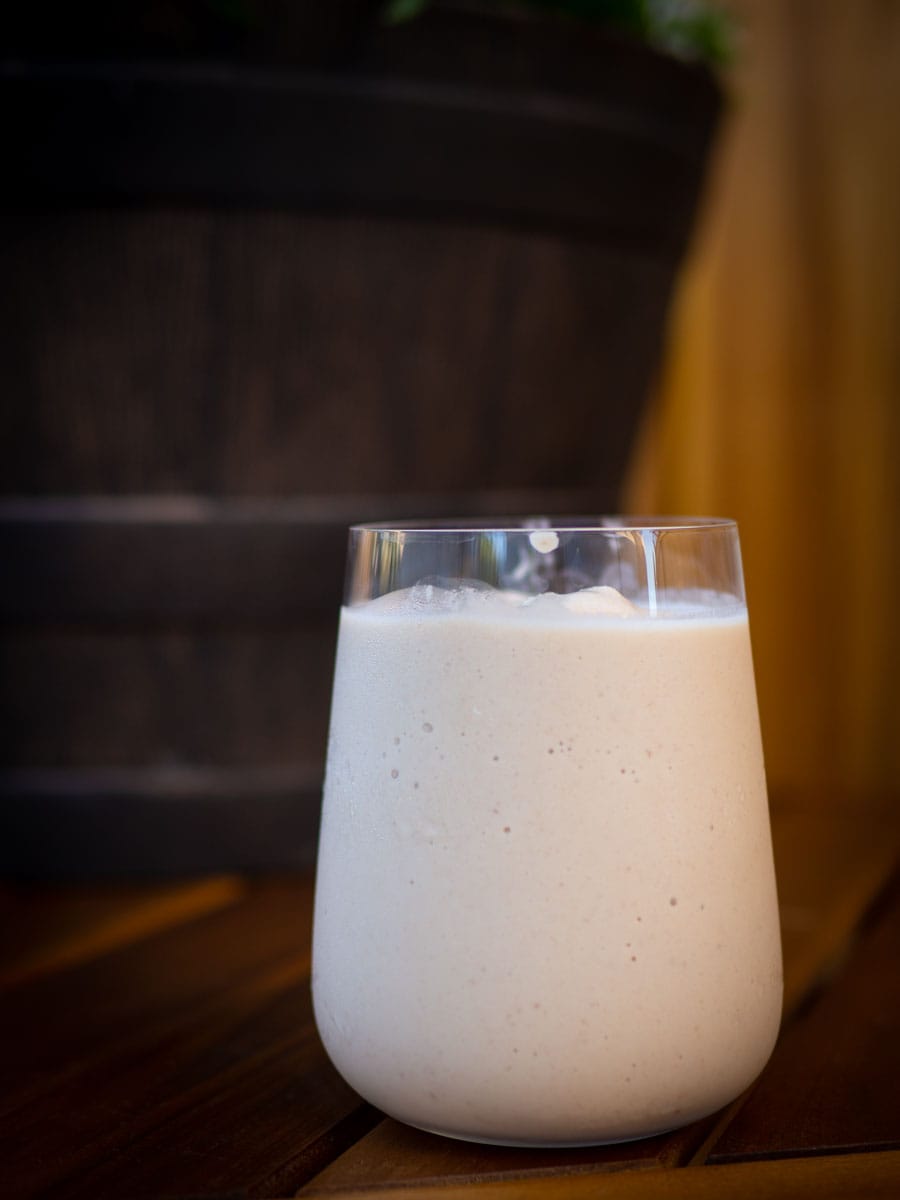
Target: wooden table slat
<point>163,1045</point>
<point>395,1155</point>
<point>830,865</point>
<point>832,1084</point>
<point>829,870</point>
<point>43,932</point>
<point>162,1065</point>
<point>248,1104</point>
<point>833,1177</point>
<point>76,1016</point>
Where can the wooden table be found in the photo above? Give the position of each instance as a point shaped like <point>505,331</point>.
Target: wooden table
<point>159,1041</point>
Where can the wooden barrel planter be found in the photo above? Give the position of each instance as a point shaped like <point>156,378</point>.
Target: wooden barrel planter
<point>246,306</point>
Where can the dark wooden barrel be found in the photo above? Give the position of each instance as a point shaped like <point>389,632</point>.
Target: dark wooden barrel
<point>244,307</point>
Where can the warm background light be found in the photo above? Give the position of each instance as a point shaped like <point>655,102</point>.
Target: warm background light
<point>780,400</point>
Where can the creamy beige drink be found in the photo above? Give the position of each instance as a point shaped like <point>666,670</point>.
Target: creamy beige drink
<point>545,906</point>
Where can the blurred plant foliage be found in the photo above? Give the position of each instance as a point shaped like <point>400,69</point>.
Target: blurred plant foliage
<point>686,28</point>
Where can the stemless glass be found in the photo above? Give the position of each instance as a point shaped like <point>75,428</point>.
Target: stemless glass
<point>545,903</point>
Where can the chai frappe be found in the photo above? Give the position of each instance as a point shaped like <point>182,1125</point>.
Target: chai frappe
<point>546,908</point>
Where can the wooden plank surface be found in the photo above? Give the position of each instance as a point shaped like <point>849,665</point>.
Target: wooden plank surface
<point>829,868</point>
<point>186,1062</point>
<point>832,1083</point>
<point>837,1177</point>
<point>830,863</point>
<point>395,1156</point>
<point>42,932</point>
<point>164,1045</point>
<point>80,1016</point>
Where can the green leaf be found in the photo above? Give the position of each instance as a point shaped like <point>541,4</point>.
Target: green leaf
<point>692,29</point>
<point>395,12</point>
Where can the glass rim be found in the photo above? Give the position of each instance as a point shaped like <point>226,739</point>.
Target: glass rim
<point>551,524</point>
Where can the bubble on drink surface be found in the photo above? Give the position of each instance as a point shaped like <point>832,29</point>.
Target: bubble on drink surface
<point>603,601</point>
<point>544,540</point>
<point>436,594</point>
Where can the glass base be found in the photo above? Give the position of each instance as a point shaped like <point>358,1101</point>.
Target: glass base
<point>541,1144</point>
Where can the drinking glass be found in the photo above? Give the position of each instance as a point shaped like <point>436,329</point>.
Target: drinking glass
<point>545,903</point>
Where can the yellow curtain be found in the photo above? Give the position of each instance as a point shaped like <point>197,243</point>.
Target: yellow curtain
<point>779,402</point>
